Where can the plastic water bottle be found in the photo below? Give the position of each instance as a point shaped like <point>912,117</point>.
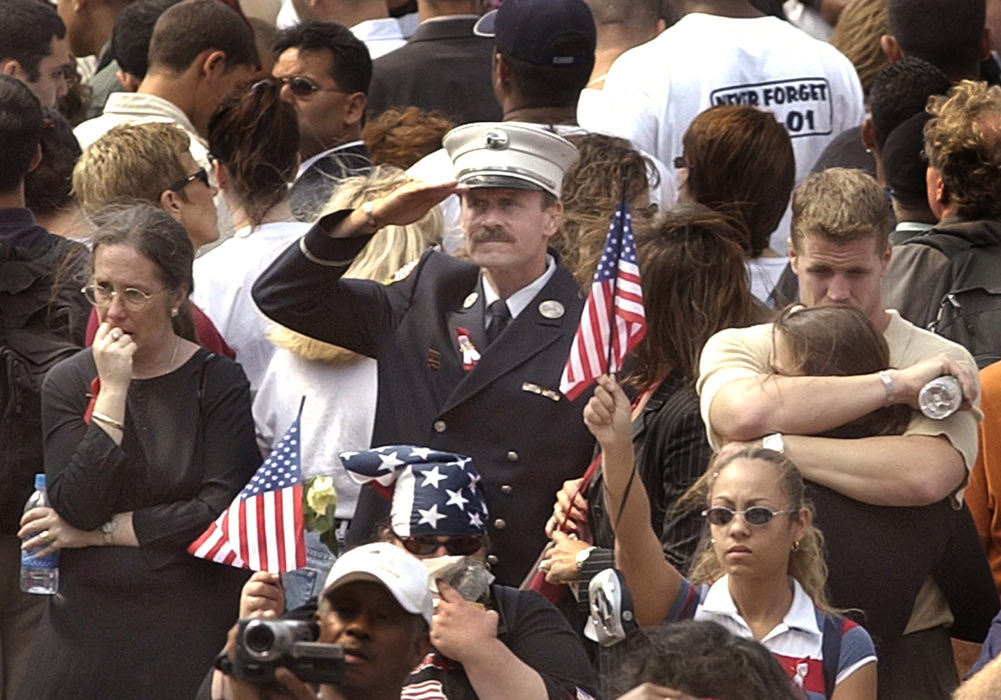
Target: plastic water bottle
<point>940,397</point>
<point>39,574</point>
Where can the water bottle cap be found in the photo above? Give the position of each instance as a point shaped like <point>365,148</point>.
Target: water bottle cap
<point>39,481</point>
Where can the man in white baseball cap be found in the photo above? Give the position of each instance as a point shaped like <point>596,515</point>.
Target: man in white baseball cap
<point>470,353</point>
<point>377,606</point>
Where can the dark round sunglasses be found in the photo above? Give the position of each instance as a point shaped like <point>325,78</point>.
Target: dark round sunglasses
<point>460,545</point>
<point>756,515</point>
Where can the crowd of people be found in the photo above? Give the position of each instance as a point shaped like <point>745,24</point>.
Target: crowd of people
<point>378,221</point>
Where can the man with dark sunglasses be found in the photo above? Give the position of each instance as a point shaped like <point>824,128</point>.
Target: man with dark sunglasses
<point>325,72</point>
<point>505,643</point>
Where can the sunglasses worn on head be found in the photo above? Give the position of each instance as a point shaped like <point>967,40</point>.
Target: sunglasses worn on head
<point>756,515</point>
<point>301,86</point>
<point>461,545</point>
<point>181,184</point>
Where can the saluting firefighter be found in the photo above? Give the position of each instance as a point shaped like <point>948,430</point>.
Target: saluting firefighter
<point>469,354</point>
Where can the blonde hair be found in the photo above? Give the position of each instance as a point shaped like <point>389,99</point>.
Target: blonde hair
<point>386,255</point>
<point>963,142</point>
<point>807,563</point>
<point>841,205</point>
<point>857,35</point>
<point>130,162</point>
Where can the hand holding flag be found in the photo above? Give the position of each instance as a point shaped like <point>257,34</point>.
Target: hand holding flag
<point>613,320</point>
<point>262,529</point>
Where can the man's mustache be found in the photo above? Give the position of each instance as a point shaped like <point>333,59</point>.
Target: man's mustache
<point>486,234</point>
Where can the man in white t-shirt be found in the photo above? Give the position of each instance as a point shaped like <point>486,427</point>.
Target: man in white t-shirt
<point>729,53</point>
<point>621,25</point>
<point>537,81</point>
<point>840,252</point>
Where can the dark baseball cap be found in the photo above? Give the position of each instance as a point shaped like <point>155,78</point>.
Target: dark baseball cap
<point>530,30</point>
<point>904,167</point>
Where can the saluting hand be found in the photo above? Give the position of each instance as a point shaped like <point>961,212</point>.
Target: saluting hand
<point>410,202</point>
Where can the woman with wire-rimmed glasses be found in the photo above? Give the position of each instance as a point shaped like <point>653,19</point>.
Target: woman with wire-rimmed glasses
<point>148,437</point>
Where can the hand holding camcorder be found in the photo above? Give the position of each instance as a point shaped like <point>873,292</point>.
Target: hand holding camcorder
<point>264,645</point>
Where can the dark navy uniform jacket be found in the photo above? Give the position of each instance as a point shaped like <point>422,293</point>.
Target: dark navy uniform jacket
<point>506,413</point>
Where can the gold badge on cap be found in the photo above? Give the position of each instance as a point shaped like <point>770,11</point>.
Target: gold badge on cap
<point>551,309</point>
<point>470,300</point>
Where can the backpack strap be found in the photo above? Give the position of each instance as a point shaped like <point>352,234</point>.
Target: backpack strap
<point>833,629</point>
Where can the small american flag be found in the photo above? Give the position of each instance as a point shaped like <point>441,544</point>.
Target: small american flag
<point>613,320</point>
<point>262,529</point>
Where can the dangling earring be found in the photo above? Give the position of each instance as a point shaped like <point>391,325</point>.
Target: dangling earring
<point>795,546</point>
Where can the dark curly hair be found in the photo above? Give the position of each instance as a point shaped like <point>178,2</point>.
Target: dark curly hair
<point>402,136</point>
<point>702,659</point>
<point>592,189</point>
<point>47,188</point>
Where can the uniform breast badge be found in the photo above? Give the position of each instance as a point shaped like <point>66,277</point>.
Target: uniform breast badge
<point>541,391</point>
<point>434,359</point>
<point>470,355</point>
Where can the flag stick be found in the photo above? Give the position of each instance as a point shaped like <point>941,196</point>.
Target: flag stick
<point>615,280</point>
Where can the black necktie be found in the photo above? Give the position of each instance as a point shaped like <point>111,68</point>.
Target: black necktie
<point>498,316</point>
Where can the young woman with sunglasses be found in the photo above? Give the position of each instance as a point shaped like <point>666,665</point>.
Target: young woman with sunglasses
<point>694,286</point>
<point>760,572</point>
<point>138,464</point>
<point>254,144</point>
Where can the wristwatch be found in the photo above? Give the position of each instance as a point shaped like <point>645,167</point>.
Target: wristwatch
<point>582,556</point>
<point>107,530</point>
<point>774,442</point>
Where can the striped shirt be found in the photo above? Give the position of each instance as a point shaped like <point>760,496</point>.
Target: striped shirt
<point>796,642</point>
